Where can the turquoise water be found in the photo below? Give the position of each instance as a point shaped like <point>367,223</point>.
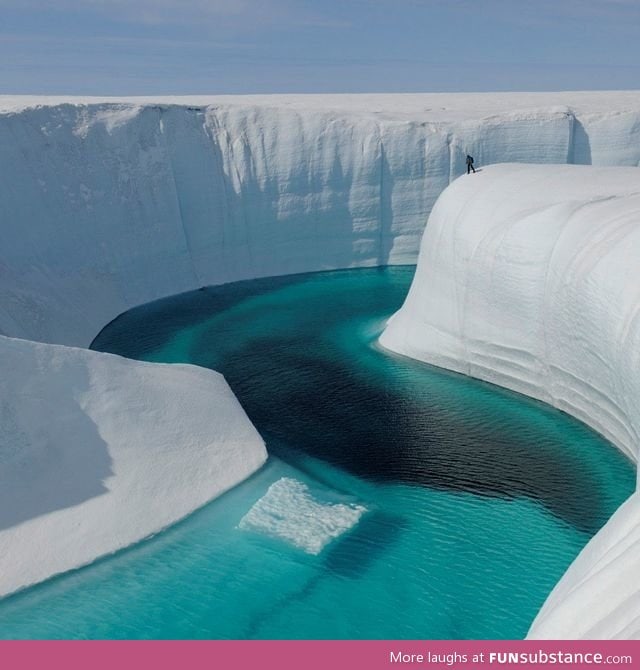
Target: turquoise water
<point>478,499</point>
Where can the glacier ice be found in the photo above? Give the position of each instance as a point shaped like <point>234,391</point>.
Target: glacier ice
<point>528,278</point>
<point>109,204</point>
<point>106,204</point>
<point>98,452</point>
<point>290,512</point>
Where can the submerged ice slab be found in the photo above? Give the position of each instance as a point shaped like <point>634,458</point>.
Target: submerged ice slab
<point>98,452</point>
<point>528,278</point>
<point>289,511</point>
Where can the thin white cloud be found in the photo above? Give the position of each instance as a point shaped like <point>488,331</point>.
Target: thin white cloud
<point>248,13</point>
<point>512,8</point>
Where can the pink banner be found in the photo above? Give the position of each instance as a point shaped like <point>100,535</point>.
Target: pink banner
<point>347,655</point>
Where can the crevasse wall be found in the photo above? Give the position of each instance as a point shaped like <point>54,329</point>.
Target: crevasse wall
<point>528,278</point>
<point>110,204</point>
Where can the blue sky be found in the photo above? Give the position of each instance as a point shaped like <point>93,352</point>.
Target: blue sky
<point>127,47</point>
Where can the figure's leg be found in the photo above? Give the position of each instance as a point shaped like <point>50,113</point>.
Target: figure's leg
<point>468,168</point>
<point>474,170</point>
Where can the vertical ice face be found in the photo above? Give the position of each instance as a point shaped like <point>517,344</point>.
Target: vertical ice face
<point>527,278</point>
<point>514,263</point>
<point>107,205</point>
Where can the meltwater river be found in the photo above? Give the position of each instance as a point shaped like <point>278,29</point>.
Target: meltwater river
<point>477,499</point>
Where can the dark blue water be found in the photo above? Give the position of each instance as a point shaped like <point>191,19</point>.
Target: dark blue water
<point>477,499</point>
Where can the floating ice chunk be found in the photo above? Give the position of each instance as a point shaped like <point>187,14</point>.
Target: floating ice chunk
<point>289,511</point>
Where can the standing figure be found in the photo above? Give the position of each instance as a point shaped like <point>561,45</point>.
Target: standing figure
<point>470,164</point>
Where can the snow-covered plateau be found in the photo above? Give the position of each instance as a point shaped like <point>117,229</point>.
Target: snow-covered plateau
<point>528,278</point>
<point>106,204</point>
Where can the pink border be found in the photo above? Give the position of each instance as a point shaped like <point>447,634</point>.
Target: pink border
<point>341,655</point>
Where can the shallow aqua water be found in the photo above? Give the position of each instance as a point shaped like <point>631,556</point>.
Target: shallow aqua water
<point>478,499</point>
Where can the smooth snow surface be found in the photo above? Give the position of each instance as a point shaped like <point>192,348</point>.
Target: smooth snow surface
<point>108,204</point>
<point>528,278</point>
<point>98,452</point>
<point>290,512</point>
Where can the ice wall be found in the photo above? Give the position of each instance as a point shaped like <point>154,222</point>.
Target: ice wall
<point>528,278</point>
<point>110,204</point>
<point>98,452</point>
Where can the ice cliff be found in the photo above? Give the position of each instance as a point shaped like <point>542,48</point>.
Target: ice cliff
<point>528,278</point>
<point>110,204</point>
<point>106,204</point>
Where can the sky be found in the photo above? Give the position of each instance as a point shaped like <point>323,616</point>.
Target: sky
<point>155,47</point>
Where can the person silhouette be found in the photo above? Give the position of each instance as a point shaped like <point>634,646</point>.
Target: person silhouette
<point>470,164</point>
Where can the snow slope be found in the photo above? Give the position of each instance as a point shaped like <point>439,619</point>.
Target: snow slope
<point>107,204</point>
<point>98,452</point>
<point>528,278</point>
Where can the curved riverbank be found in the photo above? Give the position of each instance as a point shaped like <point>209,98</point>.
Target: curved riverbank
<point>527,279</point>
